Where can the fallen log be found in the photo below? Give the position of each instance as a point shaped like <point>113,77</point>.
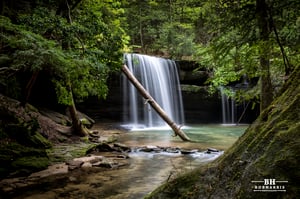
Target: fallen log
<point>154,104</point>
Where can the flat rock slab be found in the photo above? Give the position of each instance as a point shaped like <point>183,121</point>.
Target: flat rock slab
<point>52,170</point>
<point>90,159</point>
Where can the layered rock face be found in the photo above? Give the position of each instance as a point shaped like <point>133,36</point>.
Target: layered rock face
<point>200,106</point>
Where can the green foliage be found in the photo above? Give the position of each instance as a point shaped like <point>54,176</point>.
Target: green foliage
<point>235,47</point>
<point>77,48</point>
<point>27,50</point>
<point>80,44</point>
<point>163,27</point>
<point>212,33</point>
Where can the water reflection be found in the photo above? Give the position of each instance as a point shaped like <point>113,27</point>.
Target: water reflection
<point>203,136</point>
<point>146,170</point>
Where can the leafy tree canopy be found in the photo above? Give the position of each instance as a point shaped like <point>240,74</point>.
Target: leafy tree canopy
<point>89,37</point>
<point>235,46</point>
<point>77,42</point>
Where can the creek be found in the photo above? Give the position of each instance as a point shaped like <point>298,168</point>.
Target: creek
<point>144,171</point>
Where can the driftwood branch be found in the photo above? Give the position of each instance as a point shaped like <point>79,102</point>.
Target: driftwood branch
<point>154,104</point>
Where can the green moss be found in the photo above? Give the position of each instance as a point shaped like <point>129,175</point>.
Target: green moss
<point>31,163</point>
<point>269,148</point>
<point>38,140</point>
<point>27,135</point>
<point>283,153</point>
<point>22,147</point>
<point>15,157</point>
<point>85,139</point>
<point>86,122</point>
<point>65,152</point>
<point>183,186</point>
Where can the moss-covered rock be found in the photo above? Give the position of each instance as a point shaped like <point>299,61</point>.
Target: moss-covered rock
<point>29,164</point>
<point>22,147</point>
<point>17,159</point>
<point>269,149</point>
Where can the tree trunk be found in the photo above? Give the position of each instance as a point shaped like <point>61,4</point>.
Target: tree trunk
<point>266,96</point>
<point>30,85</point>
<point>141,28</point>
<point>285,59</point>
<point>154,104</point>
<point>64,10</point>
<point>77,126</point>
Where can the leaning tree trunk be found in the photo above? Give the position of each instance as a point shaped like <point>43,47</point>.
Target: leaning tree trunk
<point>154,104</point>
<point>78,127</point>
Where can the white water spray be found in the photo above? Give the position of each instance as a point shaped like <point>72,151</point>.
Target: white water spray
<point>160,78</point>
<point>228,109</point>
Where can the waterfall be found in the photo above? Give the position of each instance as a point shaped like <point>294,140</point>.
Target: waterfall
<point>228,108</point>
<point>160,78</point>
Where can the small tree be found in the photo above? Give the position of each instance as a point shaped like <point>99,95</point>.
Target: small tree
<point>250,38</point>
<point>76,43</point>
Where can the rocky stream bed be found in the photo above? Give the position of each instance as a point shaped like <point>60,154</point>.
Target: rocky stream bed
<point>104,168</point>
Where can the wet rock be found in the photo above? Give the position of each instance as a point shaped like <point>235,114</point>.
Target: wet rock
<point>90,159</point>
<point>104,164</point>
<point>212,150</point>
<point>20,185</point>
<point>172,150</point>
<point>121,147</point>
<point>186,151</point>
<point>150,148</point>
<point>55,116</point>
<point>86,165</point>
<point>94,133</point>
<point>86,120</point>
<point>94,139</point>
<point>96,164</point>
<point>57,169</point>
<point>102,147</point>
<point>7,189</point>
<point>122,156</point>
<point>145,149</point>
<point>94,136</point>
<point>73,179</point>
<point>74,164</point>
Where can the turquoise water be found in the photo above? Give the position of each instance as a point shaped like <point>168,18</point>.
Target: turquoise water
<point>146,171</point>
<point>203,136</point>
<point>218,136</point>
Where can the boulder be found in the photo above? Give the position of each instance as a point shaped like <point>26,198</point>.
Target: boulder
<point>122,147</point>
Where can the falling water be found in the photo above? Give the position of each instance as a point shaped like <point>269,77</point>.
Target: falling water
<point>228,109</point>
<point>160,78</point>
